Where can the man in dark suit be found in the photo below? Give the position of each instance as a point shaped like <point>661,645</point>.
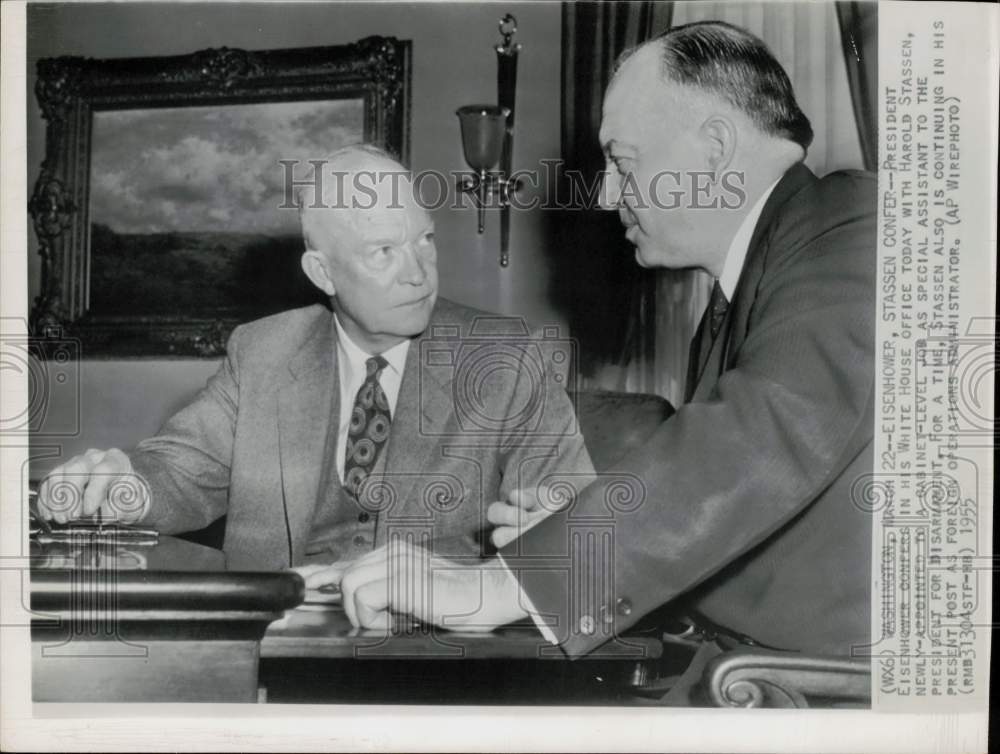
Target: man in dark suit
<point>741,509</point>
<point>323,432</point>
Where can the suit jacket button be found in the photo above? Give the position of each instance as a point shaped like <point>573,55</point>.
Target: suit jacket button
<point>588,625</point>
<point>359,541</point>
<point>363,517</point>
<point>624,606</point>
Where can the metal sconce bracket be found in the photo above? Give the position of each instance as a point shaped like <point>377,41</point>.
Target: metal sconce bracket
<point>480,140</point>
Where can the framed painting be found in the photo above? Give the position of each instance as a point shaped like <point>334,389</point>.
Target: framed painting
<point>164,210</point>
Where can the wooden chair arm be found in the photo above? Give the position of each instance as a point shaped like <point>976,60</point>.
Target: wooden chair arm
<point>760,678</point>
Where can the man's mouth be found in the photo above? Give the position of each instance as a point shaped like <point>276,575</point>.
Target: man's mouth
<point>417,301</point>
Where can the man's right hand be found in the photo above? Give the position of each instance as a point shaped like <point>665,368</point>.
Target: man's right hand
<point>96,480</point>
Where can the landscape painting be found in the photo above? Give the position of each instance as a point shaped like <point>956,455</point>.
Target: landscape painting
<point>189,210</point>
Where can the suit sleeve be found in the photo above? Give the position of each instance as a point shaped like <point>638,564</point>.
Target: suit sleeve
<point>542,444</point>
<point>187,464</point>
<point>721,476</point>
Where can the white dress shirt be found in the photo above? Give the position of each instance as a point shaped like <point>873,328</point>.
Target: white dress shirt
<point>739,247</point>
<point>352,370</point>
<point>736,257</point>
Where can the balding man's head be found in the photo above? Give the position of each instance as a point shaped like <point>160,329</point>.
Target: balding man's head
<point>359,176</point>
<point>730,63</point>
<point>370,246</point>
<point>696,125</point>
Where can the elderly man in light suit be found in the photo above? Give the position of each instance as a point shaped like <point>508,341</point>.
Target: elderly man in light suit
<point>323,431</point>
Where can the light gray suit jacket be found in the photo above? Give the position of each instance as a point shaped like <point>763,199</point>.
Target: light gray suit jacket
<point>481,411</point>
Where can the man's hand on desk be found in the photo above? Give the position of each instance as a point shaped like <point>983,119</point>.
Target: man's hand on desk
<point>521,511</point>
<point>98,480</point>
<point>401,578</point>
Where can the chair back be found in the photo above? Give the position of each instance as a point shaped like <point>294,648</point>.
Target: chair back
<point>615,423</point>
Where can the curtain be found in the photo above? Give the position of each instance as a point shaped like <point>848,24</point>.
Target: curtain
<point>609,299</point>
<point>859,33</point>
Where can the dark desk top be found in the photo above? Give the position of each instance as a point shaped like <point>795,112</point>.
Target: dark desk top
<point>174,579</point>
<point>169,576</point>
<point>89,553</point>
<point>325,632</point>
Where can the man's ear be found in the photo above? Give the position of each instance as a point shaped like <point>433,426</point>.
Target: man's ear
<point>316,267</point>
<point>720,136</point>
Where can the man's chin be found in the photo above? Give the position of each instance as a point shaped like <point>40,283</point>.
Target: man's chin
<point>639,258</point>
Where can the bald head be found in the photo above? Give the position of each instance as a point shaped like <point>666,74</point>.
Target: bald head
<point>349,182</point>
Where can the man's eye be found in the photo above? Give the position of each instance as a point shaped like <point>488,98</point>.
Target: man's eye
<point>427,237</point>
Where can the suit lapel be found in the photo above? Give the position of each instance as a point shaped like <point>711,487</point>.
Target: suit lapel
<point>422,410</point>
<point>711,366</point>
<point>307,403</point>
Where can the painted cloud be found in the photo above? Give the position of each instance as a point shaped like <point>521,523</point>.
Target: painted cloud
<point>210,168</point>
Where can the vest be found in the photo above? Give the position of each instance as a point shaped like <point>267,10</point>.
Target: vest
<point>342,529</point>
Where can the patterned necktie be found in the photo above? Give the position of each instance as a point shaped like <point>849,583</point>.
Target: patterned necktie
<point>369,429</point>
<point>708,331</point>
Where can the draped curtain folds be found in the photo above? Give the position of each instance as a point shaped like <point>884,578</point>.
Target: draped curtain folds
<point>634,326</point>
<point>859,32</point>
<point>611,301</point>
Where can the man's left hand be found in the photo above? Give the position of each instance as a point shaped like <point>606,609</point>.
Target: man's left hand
<point>523,509</point>
<point>403,578</point>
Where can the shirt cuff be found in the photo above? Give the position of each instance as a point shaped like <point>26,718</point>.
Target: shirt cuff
<point>528,605</point>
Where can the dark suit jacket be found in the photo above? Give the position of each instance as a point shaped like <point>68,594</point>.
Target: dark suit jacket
<point>479,413</point>
<point>742,504</point>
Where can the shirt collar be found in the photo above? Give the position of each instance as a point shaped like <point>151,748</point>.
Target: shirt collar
<point>357,356</point>
<point>739,247</point>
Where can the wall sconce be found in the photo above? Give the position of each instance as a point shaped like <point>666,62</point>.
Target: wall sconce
<point>488,139</point>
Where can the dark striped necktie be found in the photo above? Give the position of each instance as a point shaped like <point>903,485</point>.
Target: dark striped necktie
<point>704,337</point>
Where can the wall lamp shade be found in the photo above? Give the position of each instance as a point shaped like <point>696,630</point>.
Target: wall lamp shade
<point>484,128</point>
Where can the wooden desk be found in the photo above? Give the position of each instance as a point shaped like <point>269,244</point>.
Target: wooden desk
<point>314,655</point>
<point>116,622</point>
<point>325,632</point>
<point>120,622</point>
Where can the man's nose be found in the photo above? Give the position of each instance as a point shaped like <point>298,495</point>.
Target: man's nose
<point>412,271</point>
<point>610,193</point>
